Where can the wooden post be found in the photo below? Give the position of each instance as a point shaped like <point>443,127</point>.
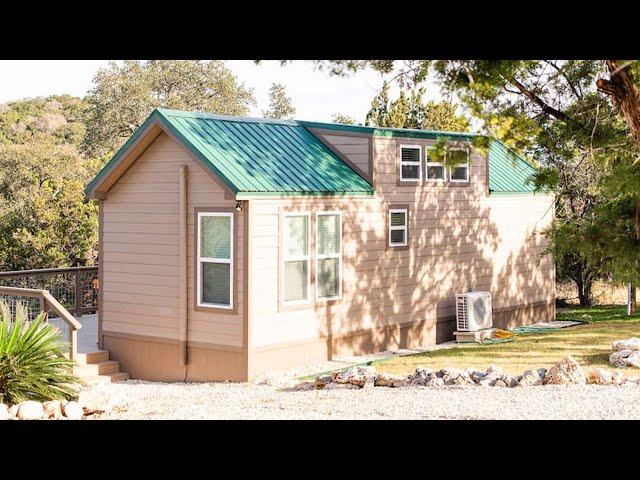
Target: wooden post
<point>631,300</point>
<point>73,343</point>
<point>43,307</point>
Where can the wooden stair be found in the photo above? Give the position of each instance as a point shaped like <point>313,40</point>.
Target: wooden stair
<point>95,367</point>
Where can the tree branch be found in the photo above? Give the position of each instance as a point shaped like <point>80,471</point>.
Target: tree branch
<point>564,75</point>
<point>546,108</point>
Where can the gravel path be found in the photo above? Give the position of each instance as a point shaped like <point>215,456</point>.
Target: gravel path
<point>149,400</point>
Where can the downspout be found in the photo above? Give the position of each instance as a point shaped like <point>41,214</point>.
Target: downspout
<point>184,307</point>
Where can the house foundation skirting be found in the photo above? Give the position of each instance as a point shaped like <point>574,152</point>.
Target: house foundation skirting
<point>390,337</point>
<point>159,359</point>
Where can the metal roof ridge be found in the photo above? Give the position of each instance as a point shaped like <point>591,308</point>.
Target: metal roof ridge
<point>310,123</point>
<point>303,123</point>
<point>228,118</point>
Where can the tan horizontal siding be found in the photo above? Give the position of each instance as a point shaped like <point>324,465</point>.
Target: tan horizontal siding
<point>141,249</point>
<point>355,149</point>
<point>459,239</point>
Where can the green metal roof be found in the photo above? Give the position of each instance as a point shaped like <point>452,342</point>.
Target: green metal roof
<point>283,157</point>
<point>508,172</point>
<point>257,156</point>
<point>390,132</point>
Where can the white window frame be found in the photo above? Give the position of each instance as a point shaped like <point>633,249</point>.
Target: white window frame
<point>428,164</point>
<point>466,180</point>
<point>330,255</point>
<point>418,163</point>
<point>404,227</point>
<point>296,258</point>
<point>228,261</point>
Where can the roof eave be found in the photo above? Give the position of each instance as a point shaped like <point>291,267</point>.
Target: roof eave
<point>159,120</point>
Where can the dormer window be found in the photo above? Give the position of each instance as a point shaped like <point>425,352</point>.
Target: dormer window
<point>410,163</point>
<point>435,168</point>
<point>459,171</point>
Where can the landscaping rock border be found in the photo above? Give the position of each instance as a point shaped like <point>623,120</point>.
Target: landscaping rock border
<point>565,372</point>
<point>90,402</point>
<point>625,353</point>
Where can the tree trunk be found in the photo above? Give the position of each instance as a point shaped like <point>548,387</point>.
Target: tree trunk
<point>584,291</point>
<point>633,307</point>
<point>623,92</point>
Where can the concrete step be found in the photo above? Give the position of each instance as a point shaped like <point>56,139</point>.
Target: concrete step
<point>108,378</point>
<point>92,357</point>
<point>98,368</point>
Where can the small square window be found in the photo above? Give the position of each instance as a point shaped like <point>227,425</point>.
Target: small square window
<point>398,226</point>
<point>435,168</point>
<point>459,172</point>
<point>410,163</point>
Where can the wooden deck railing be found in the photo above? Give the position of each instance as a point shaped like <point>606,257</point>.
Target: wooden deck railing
<point>47,303</point>
<point>76,288</point>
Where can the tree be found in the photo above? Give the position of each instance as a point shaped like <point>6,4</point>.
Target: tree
<point>556,111</point>
<point>125,94</point>
<point>411,112</point>
<point>45,220</point>
<point>280,105</point>
<point>343,119</point>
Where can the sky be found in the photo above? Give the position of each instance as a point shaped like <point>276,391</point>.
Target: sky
<point>315,94</point>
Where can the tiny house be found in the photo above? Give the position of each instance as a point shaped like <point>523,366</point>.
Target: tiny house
<point>233,246</point>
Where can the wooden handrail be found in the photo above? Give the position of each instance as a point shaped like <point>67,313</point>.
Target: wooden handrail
<point>46,299</point>
<point>60,310</point>
<point>20,273</point>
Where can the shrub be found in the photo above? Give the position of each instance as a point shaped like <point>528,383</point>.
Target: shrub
<point>32,361</point>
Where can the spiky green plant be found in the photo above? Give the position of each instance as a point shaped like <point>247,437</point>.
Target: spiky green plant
<point>32,361</point>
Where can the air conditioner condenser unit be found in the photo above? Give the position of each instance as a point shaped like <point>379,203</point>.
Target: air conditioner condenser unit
<point>473,311</point>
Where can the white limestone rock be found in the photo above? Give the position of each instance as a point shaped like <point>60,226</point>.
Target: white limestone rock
<point>52,409</point>
<point>322,381</point>
<point>387,380</point>
<point>355,375</point>
<point>599,376</point>
<point>566,372</point>
<point>625,358</point>
<point>73,411</point>
<point>532,378</point>
<point>422,375</point>
<point>4,412</point>
<point>30,410</point>
<point>435,382</point>
<point>632,344</point>
<point>13,410</point>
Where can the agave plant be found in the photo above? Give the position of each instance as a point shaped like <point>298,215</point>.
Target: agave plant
<point>32,361</point>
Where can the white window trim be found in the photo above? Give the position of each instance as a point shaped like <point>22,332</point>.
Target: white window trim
<point>296,258</point>
<point>330,255</point>
<point>201,260</point>
<point>404,227</point>
<point>428,164</point>
<point>419,163</point>
<point>466,180</point>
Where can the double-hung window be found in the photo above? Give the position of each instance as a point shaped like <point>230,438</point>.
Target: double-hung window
<point>215,260</point>
<point>410,163</point>
<point>398,227</point>
<point>328,255</point>
<point>459,159</point>
<point>296,258</point>
<point>435,168</point>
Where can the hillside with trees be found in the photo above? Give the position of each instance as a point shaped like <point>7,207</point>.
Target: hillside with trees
<point>51,147</point>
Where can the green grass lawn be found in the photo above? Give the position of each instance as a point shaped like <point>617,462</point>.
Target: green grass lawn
<point>589,344</point>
